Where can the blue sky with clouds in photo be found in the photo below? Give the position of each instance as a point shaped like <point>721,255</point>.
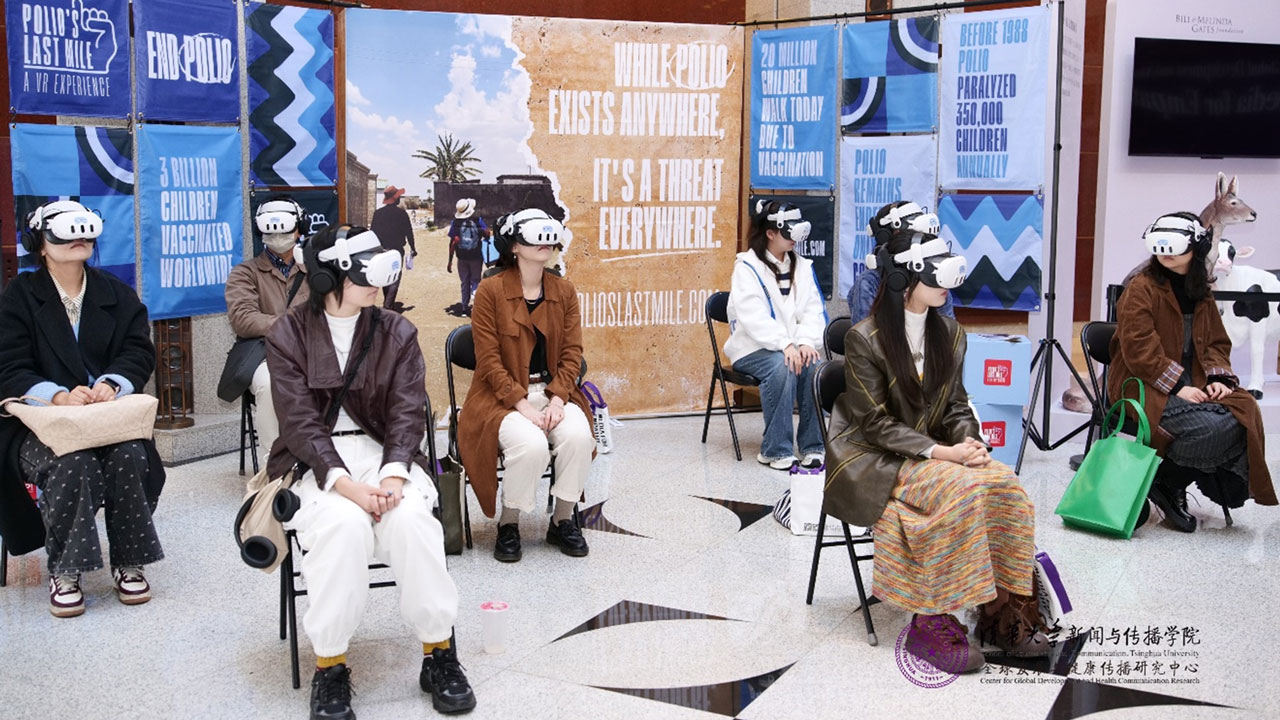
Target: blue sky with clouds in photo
<point>414,75</point>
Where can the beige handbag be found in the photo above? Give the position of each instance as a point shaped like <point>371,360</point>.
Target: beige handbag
<point>259,525</point>
<point>70,428</point>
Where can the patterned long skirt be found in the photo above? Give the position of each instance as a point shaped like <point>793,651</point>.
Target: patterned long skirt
<point>951,535</point>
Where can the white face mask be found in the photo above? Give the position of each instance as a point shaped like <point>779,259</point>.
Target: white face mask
<point>279,243</point>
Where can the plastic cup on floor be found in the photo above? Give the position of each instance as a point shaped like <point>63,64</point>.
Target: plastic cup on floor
<point>493,626</point>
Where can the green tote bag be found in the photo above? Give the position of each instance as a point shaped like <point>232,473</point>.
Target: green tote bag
<point>1109,489</point>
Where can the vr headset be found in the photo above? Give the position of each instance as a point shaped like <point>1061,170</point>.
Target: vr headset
<point>1174,235</point>
<point>932,260</point>
<point>788,221</point>
<point>360,257</point>
<point>61,222</point>
<point>913,217</point>
<point>531,227</point>
<point>277,216</point>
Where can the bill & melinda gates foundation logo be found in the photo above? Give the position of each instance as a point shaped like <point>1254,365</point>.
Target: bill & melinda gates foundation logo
<point>997,372</point>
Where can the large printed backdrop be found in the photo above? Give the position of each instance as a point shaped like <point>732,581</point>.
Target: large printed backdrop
<point>631,132</point>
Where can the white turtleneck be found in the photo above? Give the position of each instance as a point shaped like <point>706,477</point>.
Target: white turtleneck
<point>915,344</point>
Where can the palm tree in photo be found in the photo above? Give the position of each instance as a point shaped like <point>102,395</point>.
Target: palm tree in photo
<point>451,161</point>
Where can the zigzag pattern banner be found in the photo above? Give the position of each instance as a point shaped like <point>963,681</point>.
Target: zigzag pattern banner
<point>890,80</point>
<point>91,165</point>
<point>1001,237</point>
<point>291,105</point>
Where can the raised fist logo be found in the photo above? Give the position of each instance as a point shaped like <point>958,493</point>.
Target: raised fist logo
<point>317,221</point>
<point>99,33</point>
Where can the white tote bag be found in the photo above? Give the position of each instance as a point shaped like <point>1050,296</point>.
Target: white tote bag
<point>600,421</point>
<point>1053,601</point>
<point>806,498</point>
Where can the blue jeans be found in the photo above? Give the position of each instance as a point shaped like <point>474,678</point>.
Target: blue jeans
<point>780,389</point>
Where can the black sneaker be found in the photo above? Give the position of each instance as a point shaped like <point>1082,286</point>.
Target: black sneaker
<point>507,549</point>
<point>443,678</point>
<point>331,694</point>
<point>1173,503</point>
<point>566,535</point>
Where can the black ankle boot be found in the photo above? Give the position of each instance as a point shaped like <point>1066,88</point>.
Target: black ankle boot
<point>507,549</point>
<point>331,694</point>
<point>1173,503</point>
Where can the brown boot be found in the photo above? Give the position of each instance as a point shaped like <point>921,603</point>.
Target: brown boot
<point>1015,627</point>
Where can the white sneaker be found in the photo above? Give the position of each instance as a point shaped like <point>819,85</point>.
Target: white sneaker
<point>783,463</point>
<point>65,598</point>
<point>812,461</point>
<point>131,586</point>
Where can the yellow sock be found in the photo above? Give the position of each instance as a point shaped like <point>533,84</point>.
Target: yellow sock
<point>328,662</point>
<point>428,647</point>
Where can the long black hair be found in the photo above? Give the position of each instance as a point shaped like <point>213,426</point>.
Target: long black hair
<point>323,240</point>
<point>889,311</point>
<point>1196,281</point>
<point>758,239</point>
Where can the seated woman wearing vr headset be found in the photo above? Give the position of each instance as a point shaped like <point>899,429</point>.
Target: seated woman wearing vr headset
<point>1170,336</point>
<point>953,528</point>
<point>366,492</point>
<point>776,321</point>
<point>888,220</point>
<point>75,335</point>
<point>524,402</point>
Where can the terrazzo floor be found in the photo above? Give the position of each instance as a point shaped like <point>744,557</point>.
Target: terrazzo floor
<point>689,606</point>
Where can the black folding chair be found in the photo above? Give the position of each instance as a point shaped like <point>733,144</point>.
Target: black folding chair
<point>248,432</point>
<point>833,336</point>
<point>289,590</point>
<point>717,310</point>
<point>460,351</point>
<point>828,384</point>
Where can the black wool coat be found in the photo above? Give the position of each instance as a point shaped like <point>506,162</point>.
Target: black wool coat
<point>37,344</point>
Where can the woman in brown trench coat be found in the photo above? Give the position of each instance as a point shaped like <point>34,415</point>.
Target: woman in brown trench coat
<point>524,402</point>
<point>1170,336</point>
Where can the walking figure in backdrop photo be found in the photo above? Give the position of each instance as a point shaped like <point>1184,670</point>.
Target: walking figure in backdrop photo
<point>467,235</point>
<point>349,379</point>
<point>394,229</point>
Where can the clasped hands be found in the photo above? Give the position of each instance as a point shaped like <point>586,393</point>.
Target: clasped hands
<point>798,358</point>
<point>377,501</point>
<point>84,395</point>
<point>1213,391</point>
<point>970,453</point>
<point>545,420</point>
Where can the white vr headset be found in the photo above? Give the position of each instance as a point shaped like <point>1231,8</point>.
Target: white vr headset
<point>1173,235</point>
<point>65,221</point>
<point>277,216</point>
<point>933,260</point>
<point>532,227</point>
<point>363,259</point>
<point>789,223</point>
<point>913,217</point>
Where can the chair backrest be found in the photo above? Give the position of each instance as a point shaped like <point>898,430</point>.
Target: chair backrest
<point>833,336</point>
<point>1095,340</point>
<point>717,310</point>
<point>459,350</point>
<point>828,384</point>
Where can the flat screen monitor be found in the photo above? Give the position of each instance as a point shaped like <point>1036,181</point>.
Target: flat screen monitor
<point>1205,99</point>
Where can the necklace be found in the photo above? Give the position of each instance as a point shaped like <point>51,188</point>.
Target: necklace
<point>917,353</point>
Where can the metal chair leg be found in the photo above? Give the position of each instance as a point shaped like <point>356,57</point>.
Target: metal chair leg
<point>466,518</point>
<point>4,564</point>
<point>728,412</point>
<point>284,600</point>
<point>253,443</point>
<point>817,552</point>
<point>287,566</point>
<point>244,411</point>
<point>862,593</point>
<point>1226,513</point>
<point>706,420</point>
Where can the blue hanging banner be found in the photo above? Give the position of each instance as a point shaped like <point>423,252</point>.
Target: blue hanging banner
<point>793,108</point>
<point>1000,236</point>
<point>69,57</point>
<point>890,81</point>
<point>186,60</point>
<point>91,165</point>
<point>192,217</point>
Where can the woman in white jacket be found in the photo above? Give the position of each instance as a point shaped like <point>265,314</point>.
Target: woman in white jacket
<point>776,321</point>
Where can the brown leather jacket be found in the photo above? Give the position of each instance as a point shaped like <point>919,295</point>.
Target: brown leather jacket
<point>386,399</point>
<point>1148,345</point>
<point>874,428</point>
<point>504,340</point>
<point>256,292</point>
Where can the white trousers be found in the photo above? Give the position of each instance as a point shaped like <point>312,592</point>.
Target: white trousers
<point>527,450</point>
<point>264,413</point>
<point>341,541</point>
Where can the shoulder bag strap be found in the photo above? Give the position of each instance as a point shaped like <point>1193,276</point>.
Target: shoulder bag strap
<point>293,289</point>
<point>331,416</point>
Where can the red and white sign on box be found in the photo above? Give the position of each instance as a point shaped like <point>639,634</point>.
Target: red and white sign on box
<point>1001,427</point>
<point>997,369</point>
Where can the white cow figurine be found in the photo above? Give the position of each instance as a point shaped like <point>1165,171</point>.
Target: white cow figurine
<point>1255,324</point>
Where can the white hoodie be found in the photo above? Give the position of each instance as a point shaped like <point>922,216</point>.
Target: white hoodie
<point>762,318</point>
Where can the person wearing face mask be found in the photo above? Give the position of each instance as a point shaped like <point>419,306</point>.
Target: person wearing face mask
<point>776,321</point>
<point>74,335</point>
<point>1169,335</point>
<point>261,289</point>
<point>953,528</point>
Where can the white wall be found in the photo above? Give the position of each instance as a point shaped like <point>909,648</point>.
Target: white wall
<point>1133,191</point>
